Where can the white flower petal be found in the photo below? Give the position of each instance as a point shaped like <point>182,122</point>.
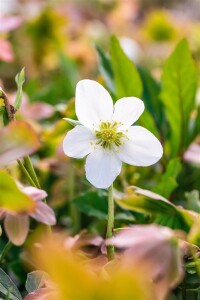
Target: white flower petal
<point>141,149</point>
<point>93,103</point>
<point>78,142</point>
<point>102,167</point>
<point>127,111</point>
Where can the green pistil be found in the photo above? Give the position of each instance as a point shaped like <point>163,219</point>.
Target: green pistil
<point>108,136</point>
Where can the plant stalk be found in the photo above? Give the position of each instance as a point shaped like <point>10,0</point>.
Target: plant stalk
<point>110,224</point>
<point>5,251</point>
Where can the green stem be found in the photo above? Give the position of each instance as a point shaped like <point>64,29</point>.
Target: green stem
<point>5,251</point>
<point>110,224</point>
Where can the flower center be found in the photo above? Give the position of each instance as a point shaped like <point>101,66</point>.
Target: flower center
<point>108,136</point>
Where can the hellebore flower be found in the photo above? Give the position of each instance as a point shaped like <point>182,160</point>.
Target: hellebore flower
<point>17,225</point>
<point>105,134</point>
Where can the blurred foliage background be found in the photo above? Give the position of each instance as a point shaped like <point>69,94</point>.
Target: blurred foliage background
<point>60,42</point>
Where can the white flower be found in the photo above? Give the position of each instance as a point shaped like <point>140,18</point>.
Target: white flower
<point>105,134</point>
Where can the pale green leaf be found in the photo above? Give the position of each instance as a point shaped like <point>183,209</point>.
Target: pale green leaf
<point>179,81</point>
<point>7,286</point>
<point>35,280</point>
<point>20,79</point>
<point>158,208</point>
<point>126,77</point>
<point>105,69</point>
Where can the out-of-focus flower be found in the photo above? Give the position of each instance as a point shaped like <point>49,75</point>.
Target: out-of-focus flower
<point>156,251</point>
<point>198,97</point>
<point>105,133</point>
<point>34,111</point>
<point>192,154</point>
<point>131,48</point>
<point>40,294</point>
<point>123,284</point>
<point>81,240</point>
<point>18,139</point>
<point>159,27</point>
<point>17,225</point>
<point>6,52</point>
<point>9,23</point>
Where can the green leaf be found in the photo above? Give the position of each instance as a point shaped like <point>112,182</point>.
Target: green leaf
<point>168,182</point>
<point>105,69</point>
<point>12,199</point>
<point>92,204</point>
<point>160,209</point>
<point>7,286</point>
<point>179,81</point>
<point>126,77</point>
<point>146,120</point>
<point>35,280</point>
<point>20,79</point>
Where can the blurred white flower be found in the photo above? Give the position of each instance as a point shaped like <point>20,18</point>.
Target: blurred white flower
<point>131,48</point>
<point>105,133</point>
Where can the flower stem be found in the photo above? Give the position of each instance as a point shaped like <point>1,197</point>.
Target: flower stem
<point>110,224</point>
<point>6,249</point>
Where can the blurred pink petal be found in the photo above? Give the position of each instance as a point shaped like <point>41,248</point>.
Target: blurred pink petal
<point>132,236</point>
<point>16,228</point>
<point>38,111</point>
<point>44,214</point>
<point>193,154</point>
<point>35,193</point>
<point>6,52</point>
<point>81,240</point>
<point>155,250</point>
<point>35,111</point>
<point>9,23</point>
<point>41,294</point>
<point>18,139</point>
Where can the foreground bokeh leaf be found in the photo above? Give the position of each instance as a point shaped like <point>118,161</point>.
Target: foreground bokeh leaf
<point>11,198</point>
<point>52,257</point>
<point>18,139</point>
